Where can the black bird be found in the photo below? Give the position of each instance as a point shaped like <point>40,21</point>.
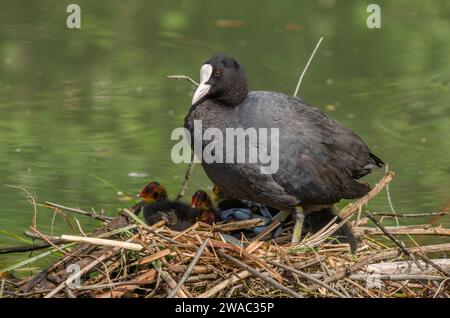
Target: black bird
<point>158,207</point>
<point>320,161</point>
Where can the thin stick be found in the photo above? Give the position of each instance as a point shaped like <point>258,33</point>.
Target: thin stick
<point>404,231</point>
<point>191,166</point>
<point>390,201</point>
<point>189,269</point>
<point>353,207</point>
<point>396,277</point>
<point>259,275</point>
<point>31,198</point>
<point>238,225</point>
<point>308,277</point>
<point>399,243</point>
<point>109,285</point>
<point>78,274</point>
<point>227,282</point>
<point>29,248</point>
<point>104,242</point>
<point>2,287</point>
<point>189,172</point>
<point>146,277</point>
<point>79,211</point>
<point>306,67</point>
<point>35,236</point>
<point>267,230</point>
<point>409,215</point>
<point>185,77</point>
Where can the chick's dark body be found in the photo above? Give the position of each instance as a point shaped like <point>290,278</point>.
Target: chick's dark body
<point>179,216</point>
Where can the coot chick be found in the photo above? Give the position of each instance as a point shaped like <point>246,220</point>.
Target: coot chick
<point>234,210</point>
<point>158,207</point>
<point>202,202</point>
<point>320,161</point>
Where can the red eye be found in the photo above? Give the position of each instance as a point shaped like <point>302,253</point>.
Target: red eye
<point>218,73</point>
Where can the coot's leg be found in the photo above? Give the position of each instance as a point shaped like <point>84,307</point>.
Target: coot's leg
<point>299,218</point>
<point>282,215</point>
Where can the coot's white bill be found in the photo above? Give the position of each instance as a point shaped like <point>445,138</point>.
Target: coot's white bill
<point>203,88</point>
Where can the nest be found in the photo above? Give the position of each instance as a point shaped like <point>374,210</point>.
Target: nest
<point>127,258</point>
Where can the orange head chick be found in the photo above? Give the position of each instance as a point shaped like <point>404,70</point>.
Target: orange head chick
<point>202,202</point>
<point>153,192</point>
<point>218,195</point>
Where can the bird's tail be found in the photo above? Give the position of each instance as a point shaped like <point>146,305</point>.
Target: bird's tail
<point>315,221</point>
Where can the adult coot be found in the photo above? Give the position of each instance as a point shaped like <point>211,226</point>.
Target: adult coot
<point>320,161</point>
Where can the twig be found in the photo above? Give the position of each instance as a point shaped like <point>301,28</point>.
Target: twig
<point>403,231</point>
<point>191,166</point>
<point>306,67</point>
<point>29,248</point>
<point>399,243</point>
<point>189,172</point>
<point>353,207</point>
<point>259,275</point>
<point>189,269</point>
<point>69,293</point>
<point>390,201</point>
<point>440,287</point>
<point>31,198</point>
<point>267,230</point>
<point>86,269</point>
<point>147,277</point>
<point>403,267</point>
<point>79,211</point>
<point>308,277</point>
<point>35,236</point>
<point>227,282</point>
<point>185,77</point>
<point>104,242</point>
<point>51,243</point>
<point>154,257</point>
<point>396,277</point>
<point>170,282</point>
<point>409,215</point>
<point>79,227</point>
<point>2,287</point>
<point>238,225</point>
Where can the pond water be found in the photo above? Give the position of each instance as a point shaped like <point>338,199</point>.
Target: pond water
<point>86,114</point>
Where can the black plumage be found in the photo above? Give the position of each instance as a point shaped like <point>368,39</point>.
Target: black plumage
<point>179,216</point>
<point>316,220</point>
<point>320,161</point>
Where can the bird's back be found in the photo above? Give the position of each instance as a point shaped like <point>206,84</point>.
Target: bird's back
<point>320,160</point>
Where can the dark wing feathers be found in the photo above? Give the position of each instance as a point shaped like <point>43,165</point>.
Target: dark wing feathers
<point>320,160</point>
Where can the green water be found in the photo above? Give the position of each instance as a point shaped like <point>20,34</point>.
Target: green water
<point>81,106</point>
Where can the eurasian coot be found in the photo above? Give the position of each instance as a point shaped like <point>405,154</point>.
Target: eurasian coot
<point>320,161</point>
